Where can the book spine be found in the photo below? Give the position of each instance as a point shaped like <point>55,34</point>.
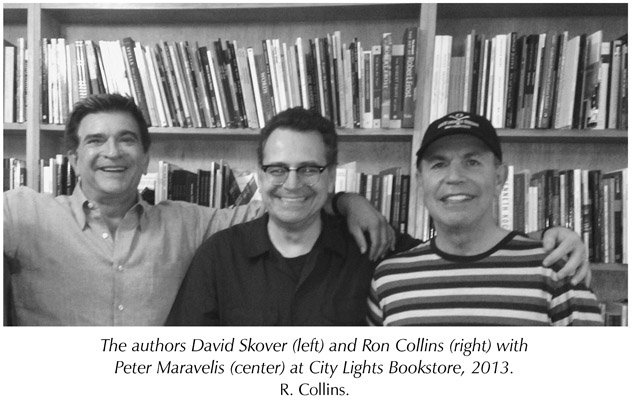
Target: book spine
<point>410,77</point>
<point>387,48</point>
<point>139,94</point>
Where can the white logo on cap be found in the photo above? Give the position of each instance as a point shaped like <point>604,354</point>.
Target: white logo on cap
<point>458,120</point>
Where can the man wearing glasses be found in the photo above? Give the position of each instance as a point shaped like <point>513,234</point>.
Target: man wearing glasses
<point>294,265</point>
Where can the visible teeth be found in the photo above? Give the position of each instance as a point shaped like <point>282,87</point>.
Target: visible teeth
<point>457,198</point>
<point>292,199</point>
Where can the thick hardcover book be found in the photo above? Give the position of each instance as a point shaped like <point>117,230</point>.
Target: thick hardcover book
<point>594,188</point>
<point>191,84</point>
<point>180,80</point>
<point>325,80</point>
<point>203,187</point>
<point>247,88</point>
<point>280,88</point>
<point>217,88</point>
<point>204,91</point>
<point>521,192</point>
<point>619,212</point>
<point>513,75</point>
<point>565,98</point>
<point>615,84</point>
<point>478,86</point>
<point>468,69</point>
<point>312,77</point>
<point>168,101</point>
<point>387,48</point>
<point>9,81</point>
<point>529,83</point>
<point>256,88</point>
<point>403,203</point>
<point>10,65</point>
<point>147,85</point>
<point>232,118</point>
<point>339,76</point>
<point>392,178</point>
<point>549,72</point>
<point>139,93</point>
<point>410,77</point>
<point>622,119</point>
<point>173,86</point>
<point>355,83</point>
<point>264,87</point>
<point>578,110</point>
<point>376,52</point>
<point>234,80</point>
<point>302,67</point>
<point>590,94</point>
<point>271,75</point>
<point>367,101</point>
<point>604,81</point>
<point>397,77</point>
<point>332,72</point>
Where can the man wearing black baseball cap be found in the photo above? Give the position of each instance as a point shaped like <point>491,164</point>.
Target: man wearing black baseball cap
<point>473,272</point>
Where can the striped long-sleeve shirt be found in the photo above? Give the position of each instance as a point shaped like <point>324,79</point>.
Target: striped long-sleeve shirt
<point>507,285</point>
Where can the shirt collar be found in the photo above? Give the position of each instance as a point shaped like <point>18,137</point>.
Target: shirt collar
<point>79,203</point>
<point>332,236</point>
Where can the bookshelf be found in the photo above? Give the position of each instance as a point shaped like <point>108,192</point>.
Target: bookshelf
<point>373,149</point>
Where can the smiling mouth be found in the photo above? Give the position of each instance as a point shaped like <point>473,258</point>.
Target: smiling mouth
<point>113,169</point>
<point>293,199</point>
<point>456,198</point>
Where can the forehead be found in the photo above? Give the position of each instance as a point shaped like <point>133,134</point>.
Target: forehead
<point>456,143</point>
<point>108,123</point>
<point>290,145</point>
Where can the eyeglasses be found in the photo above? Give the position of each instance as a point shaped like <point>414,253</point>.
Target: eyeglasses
<point>307,174</point>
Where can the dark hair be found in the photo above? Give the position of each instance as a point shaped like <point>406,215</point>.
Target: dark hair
<point>302,120</point>
<point>103,103</point>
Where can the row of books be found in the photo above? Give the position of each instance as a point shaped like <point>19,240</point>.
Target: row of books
<point>387,190</point>
<point>14,91</point>
<point>14,172</point>
<point>178,83</point>
<point>590,202</point>
<point>219,186</point>
<point>546,80</point>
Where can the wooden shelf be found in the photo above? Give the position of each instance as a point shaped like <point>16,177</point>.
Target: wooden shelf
<point>525,10</point>
<point>177,13</point>
<point>557,135</point>
<point>391,135</point>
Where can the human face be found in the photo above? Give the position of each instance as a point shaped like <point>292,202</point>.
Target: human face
<point>109,158</point>
<point>295,205</point>
<point>460,180</point>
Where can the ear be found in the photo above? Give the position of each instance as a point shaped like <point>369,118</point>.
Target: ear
<point>501,177</point>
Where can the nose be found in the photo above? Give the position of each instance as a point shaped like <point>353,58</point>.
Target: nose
<point>292,181</point>
<point>454,173</point>
<point>112,148</point>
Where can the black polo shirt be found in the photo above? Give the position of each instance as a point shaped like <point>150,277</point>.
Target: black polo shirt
<point>237,277</point>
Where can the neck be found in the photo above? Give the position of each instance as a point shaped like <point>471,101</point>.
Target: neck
<point>293,241</point>
<point>469,241</point>
<point>114,208</point>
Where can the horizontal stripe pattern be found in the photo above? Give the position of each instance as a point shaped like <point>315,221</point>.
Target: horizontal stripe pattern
<point>506,286</point>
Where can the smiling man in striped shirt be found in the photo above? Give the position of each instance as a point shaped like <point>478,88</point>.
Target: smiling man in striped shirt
<point>473,272</point>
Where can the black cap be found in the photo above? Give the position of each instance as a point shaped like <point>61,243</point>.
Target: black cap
<point>461,123</point>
